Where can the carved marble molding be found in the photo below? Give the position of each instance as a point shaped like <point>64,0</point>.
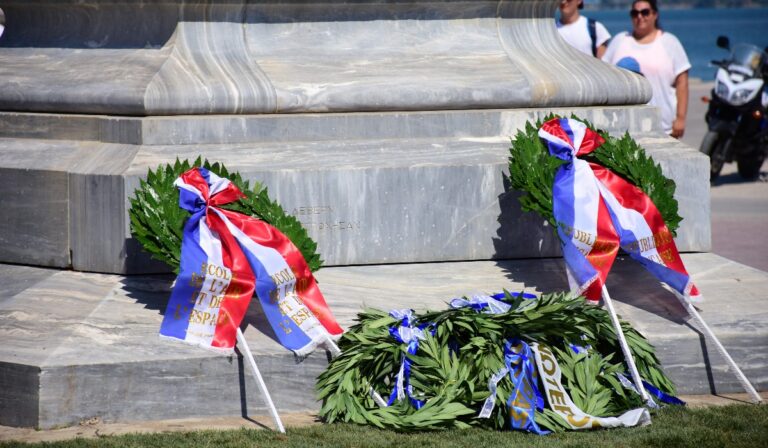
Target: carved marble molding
<point>176,57</point>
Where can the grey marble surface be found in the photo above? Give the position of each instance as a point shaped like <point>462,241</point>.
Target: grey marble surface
<point>234,57</point>
<point>91,342</point>
<point>385,187</point>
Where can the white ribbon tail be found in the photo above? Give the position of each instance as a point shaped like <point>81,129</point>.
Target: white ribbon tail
<point>560,402</point>
<point>490,402</point>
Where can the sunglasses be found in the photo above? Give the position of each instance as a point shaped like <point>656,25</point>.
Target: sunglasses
<point>645,12</point>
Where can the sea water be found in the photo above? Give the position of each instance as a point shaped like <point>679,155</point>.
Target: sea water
<point>698,29</point>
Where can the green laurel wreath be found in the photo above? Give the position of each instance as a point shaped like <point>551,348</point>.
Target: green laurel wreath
<point>452,367</point>
<point>157,222</point>
<point>532,170</point>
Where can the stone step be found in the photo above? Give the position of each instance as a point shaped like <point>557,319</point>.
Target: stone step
<point>82,345</point>
<point>372,188</point>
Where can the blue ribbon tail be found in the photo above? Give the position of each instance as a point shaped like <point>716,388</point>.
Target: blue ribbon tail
<point>525,398</point>
<point>663,397</point>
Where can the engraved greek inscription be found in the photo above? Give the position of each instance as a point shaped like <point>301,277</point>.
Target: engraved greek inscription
<point>333,226</point>
<point>312,210</point>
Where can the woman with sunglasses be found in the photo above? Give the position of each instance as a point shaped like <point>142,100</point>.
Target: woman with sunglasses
<point>662,61</point>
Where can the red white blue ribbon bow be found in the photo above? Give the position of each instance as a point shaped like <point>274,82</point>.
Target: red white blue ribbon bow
<point>597,212</point>
<point>226,257</point>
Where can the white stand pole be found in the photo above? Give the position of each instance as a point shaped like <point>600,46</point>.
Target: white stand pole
<point>624,347</point>
<point>336,351</point>
<point>259,380</point>
<point>731,363</point>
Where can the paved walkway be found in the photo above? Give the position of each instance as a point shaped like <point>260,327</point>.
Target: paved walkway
<point>739,207</point>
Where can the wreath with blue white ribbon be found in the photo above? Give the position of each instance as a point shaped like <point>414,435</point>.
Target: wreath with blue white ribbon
<point>471,365</point>
<point>437,367</point>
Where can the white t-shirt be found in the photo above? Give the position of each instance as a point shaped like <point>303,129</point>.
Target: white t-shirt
<point>577,34</point>
<point>661,61</point>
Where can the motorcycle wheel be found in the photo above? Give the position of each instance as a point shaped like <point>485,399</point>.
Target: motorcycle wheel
<point>713,145</point>
<point>749,165</point>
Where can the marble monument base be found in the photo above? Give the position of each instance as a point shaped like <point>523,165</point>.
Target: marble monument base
<point>371,188</point>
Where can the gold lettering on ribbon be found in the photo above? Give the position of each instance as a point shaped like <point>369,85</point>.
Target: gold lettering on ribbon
<point>285,308</point>
<point>668,256</point>
<point>663,237</point>
<point>196,280</point>
<point>198,297</point>
<point>300,316</point>
<point>202,317</point>
<point>285,326</point>
<point>283,276</point>
<point>547,361</point>
<point>216,271</point>
<point>274,296</point>
<point>556,395</point>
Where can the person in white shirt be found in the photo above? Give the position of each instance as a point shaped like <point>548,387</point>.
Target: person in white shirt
<point>661,59</point>
<point>586,35</point>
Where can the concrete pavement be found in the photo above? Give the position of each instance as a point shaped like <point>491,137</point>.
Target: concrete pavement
<point>739,207</point>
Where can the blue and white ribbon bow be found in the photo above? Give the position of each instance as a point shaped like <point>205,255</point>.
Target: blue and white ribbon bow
<point>406,333</point>
<point>488,304</point>
<point>525,398</point>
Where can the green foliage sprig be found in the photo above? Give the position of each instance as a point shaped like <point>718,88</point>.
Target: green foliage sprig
<point>157,221</point>
<point>532,170</point>
<point>452,367</point>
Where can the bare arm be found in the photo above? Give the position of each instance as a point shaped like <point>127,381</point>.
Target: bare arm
<point>681,91</point>
<point>601,51</point>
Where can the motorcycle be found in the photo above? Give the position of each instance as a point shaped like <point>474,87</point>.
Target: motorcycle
<point>738,127</point>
